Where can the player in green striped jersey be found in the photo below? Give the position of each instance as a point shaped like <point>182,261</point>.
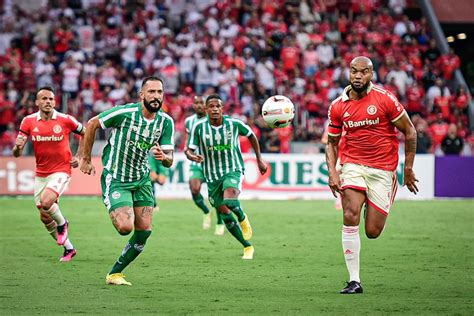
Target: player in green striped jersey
<point>196,176</point>
<point>217,138</point>
<point>137,128</point>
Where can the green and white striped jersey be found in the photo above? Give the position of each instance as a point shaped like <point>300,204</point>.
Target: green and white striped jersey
<point>219,145</point>
<point>126,154</point>
<point>189,124</point>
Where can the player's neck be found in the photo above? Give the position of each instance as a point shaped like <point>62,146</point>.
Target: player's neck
<point>148,115</point>
<point>353,95</point>
<point>46,116</point>
<point>216,121</point>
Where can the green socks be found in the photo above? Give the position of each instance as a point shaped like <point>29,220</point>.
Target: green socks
<point>234,228</point>
<point>234,206</point>
<point>220,221</point>
<point>133,248</point>
<point>199,201</point>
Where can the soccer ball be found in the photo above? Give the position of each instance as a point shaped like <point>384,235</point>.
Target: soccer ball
<point>278,111</point>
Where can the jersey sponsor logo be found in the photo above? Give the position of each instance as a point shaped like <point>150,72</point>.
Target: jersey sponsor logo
<point>371,109</point>
<point>57,129</point>
<point>140,144</point>
<point>365,122</point>
<point>115,195</point>
<point>219,147</point>
<point>51,138</point>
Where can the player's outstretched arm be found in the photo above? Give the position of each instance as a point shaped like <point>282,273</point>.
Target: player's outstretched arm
<point>405,126</point>
<point>88,140</point>
<point>19,145</point>
<point>334,181</point>
<point>262,166</point>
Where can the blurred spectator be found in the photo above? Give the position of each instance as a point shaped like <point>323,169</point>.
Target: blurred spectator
<point>423,144</point>
<point>452,144</point>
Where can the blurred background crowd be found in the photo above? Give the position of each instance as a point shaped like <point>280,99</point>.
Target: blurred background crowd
<point>96,53</point>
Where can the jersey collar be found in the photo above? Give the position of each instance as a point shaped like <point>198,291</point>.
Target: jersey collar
<point>53,117</point>
<point>345,93</point>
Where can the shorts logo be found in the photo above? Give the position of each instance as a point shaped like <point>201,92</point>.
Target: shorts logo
<point>233,181</point>
<point>115,195</point>
<point>372,109</point>
<point>57,129</point>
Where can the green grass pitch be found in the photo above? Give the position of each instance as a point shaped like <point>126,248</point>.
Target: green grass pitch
<point>422,264</point>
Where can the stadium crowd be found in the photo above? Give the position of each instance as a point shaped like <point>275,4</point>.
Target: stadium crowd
<point>96,53</point>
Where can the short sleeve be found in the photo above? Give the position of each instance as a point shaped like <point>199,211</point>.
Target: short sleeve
<point>113,117</point>
<point>25,128</point>
<point>74,125</point>
<point>394,109</point>
<point>334,120</point>
<point>243,128</point>
<point>193,139</point>
<point>167,137</point>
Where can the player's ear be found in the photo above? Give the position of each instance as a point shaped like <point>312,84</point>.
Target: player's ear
<point>141,94</point>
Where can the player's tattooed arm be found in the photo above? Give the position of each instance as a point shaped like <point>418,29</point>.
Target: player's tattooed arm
<point>168,160</point>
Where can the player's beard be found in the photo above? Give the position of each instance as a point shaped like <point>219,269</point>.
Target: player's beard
<point>152,108</point>
<point>361,88</point>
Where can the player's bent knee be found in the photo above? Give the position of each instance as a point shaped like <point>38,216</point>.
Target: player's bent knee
<point>373,233</point>
<point>123,229</point>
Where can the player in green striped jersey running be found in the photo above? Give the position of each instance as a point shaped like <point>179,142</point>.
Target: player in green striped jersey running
<point>137,128</point>
<point>196,176</point>
<point>217,138</point>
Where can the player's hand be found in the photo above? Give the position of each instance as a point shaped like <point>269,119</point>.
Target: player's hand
<point>410,180</point>
<point>74,162</point>
<point>158,153</point>
<point>334,183</point>
<point>196,158</point>
<point>262,166</point>
<point>87,167</point>
<point>20,141</point>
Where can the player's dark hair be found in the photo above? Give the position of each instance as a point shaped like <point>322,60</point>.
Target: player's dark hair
<point>212,97</point>
<point>44,88</point>
<point>151,78</point>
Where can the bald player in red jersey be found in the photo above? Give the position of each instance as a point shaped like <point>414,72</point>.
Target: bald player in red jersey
<point>370,117</point>
<point>49,132</point>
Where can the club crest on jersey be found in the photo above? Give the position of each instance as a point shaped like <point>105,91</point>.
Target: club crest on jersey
<point>57,129</point>
<point>157,133</point>
<point>371,109</point>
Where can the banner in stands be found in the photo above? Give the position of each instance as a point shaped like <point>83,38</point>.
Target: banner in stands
<point>290,177</point>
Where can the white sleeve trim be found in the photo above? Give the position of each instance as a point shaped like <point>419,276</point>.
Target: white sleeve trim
<point>192,146</point>
<point>334,135</point>
<point>399,117</point>
<point>167,147</point>
<point>102,125</point>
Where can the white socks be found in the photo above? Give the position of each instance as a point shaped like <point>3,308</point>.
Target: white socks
<point>351,249</point>
<point>51,228</point>
<point>56,214</point>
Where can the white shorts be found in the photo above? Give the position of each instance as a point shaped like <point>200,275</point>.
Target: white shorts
<point>380,186</point>
<point>56,182</point>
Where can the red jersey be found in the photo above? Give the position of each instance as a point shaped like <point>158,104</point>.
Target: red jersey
<point>371,138</point>
<point>50,141</point>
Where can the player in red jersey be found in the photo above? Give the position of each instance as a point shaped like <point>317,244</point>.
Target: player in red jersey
<point>370,117</point>
<point>49,131</point>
